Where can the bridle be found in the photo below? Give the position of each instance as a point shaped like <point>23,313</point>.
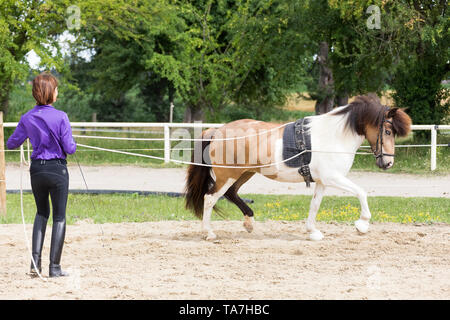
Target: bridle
<point>381,154</point>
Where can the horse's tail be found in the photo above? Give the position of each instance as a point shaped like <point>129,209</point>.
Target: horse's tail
<point>199,179</point>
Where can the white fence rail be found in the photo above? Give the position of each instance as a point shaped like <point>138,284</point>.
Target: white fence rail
<point>167,126</point>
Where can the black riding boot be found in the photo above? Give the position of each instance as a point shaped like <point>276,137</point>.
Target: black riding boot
<point>58,235</point>
<point>39,226</point>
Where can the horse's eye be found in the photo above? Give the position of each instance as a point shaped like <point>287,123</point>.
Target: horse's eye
<point>388,132</point>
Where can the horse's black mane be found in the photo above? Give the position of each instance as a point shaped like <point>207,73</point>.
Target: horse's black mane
<point>363,111</point>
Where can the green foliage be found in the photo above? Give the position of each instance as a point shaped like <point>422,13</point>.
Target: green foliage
<point>119,85</point>
<point>26,26</point>
<point>223,59</point>
<point>410,51</point>
<point>236,112</point>
<point>418,88</point>
<point>417,82</point>
<point>209,54</point>
<point>37,25</point>
<point>21,100</point>
<point>74,102</point>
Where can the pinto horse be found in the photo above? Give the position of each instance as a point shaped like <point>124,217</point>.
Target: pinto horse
<point>232,154</point>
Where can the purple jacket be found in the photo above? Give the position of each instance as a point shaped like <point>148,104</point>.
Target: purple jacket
<point>49,132</point>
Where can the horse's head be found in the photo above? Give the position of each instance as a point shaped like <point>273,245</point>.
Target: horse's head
<point>392,122</point>
<point>379,124</point>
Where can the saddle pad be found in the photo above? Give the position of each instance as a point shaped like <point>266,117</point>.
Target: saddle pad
<point>290,148</point>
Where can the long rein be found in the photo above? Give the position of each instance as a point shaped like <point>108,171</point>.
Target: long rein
<point>213,139</point>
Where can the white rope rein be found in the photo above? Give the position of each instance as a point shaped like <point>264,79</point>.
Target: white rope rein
<point>185,139</point>
<point>160,149</point>
<point>215,166</point>
<point>120,151</point>
<point>189,162</point>
<point>202,139</point>
<point>117,138</point>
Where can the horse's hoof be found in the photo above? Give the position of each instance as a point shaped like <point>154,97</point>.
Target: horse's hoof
<point>362,226</point>
<point>248,226</point>
<point>211,236</point>
<point>316,235</point>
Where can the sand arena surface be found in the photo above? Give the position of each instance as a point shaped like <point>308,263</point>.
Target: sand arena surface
<point>170,260</point>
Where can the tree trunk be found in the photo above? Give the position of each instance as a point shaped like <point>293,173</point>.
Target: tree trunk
<point>342,99</point>
<point>193,114</point>
<point>4,104</point>
<point>4,98</point>
<point>326,83</point>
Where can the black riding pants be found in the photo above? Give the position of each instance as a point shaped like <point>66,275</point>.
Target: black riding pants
<point>50,178</point>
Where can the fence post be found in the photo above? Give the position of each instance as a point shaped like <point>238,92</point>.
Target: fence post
<point>171,112</point>
<point>166,143</point>
<point>2,169</point>
<point>433,147</point>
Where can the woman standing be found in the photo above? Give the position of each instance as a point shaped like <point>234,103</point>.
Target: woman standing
<point>50,135</point>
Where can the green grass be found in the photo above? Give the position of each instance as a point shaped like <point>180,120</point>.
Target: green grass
<point>135,208</point>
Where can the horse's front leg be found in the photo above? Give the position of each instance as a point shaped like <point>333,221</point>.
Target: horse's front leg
<point>315,234</point>
<point>346,184</point>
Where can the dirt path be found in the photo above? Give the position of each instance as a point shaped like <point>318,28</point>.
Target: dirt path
<point>169,260</point>
<point>172,180</point>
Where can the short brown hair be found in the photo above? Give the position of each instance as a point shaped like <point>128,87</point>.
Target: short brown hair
<point>44,86</point>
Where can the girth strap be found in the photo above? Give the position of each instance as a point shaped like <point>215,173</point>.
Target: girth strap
<point>303,142</point>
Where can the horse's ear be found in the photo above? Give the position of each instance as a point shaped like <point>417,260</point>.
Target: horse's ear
<point>391,113</point>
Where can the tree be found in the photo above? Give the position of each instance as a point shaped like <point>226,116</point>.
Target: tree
<point>117,65</point>
<point>352,56</point>
<point>411,47</point>
<point>25,26</point>
<point>425,63</point>
<point>230,52</point>
<point>36,25</point>
<point>208,53</point>
<point>320,23</point>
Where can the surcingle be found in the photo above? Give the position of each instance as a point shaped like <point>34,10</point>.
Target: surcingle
<point>297,139</point>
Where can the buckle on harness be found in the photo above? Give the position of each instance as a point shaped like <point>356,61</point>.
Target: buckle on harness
<point>306,174</point>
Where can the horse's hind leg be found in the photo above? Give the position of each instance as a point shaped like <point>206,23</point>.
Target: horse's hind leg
<point>220,187</point>
<point>248,213</point>
<point>232,196</point>
<point>315,234</point>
